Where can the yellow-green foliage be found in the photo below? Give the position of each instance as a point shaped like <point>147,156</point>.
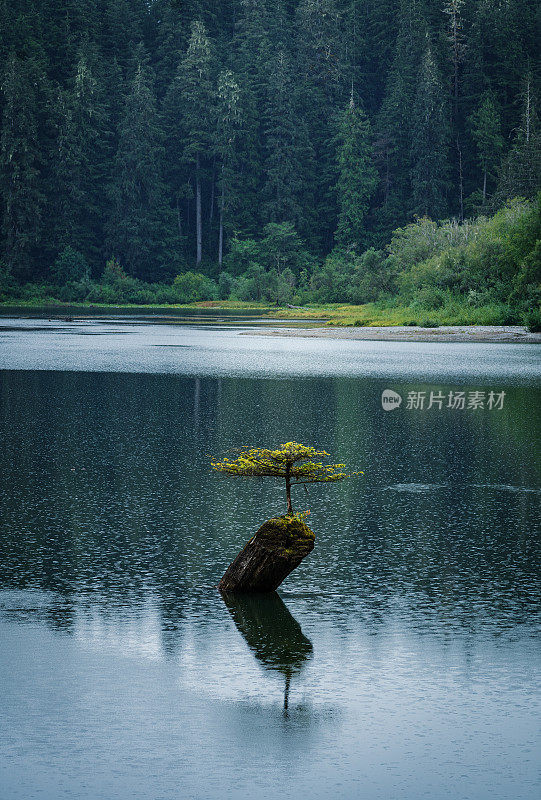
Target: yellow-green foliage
<point>293,460</point>
<point>300,516</point>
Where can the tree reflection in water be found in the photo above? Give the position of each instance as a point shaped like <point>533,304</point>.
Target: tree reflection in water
<point>272,634</point>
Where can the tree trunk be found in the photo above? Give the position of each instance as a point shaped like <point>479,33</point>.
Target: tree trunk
<point>179,221</point>
<point>484,185</point>
<point>288,491</point>
<point>221,232</point>
<point>198,225</point>
<point>277,548</point>
<point>528,107</point>
<point>460,179</point>
<point>211,210</point>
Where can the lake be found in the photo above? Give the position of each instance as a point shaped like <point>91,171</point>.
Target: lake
<point>400,660</point>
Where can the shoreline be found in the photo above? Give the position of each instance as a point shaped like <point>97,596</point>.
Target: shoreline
<point>481,334</point>
<point>306,328</point>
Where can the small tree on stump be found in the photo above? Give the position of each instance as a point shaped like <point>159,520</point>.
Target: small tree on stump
<point>295,463</point>
<point>281,543</point>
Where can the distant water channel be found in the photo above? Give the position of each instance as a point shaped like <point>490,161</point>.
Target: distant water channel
<point>400,661</point>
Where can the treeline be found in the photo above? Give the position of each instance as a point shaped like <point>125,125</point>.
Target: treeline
<point>245,140</point>
<point>486,271</point>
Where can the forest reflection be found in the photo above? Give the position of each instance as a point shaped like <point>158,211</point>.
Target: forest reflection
<point>108,494</point>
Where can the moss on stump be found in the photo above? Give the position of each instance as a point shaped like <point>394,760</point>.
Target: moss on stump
<point>277,548</point>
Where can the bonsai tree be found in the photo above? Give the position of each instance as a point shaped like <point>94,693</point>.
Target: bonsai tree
<point>293,462</point>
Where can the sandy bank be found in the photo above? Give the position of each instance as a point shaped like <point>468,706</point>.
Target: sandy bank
<point>452,333</point>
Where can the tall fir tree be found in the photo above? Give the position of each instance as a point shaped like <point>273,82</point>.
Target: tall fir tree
<point>357,177</point>
<point>123,23</point>
<point>393,125</point>
<point>139,225</point>
<point>65,27</point>
<point>453,10</point>
<point>251,58</point>
<point>228,127</point>
<point>22,163</point>
<point>429,143</point>
<point>196,94</point>
<point>169,40</point>
<point>369,30</point>
<point>283,158</point>
<point>79,169</point>
<point>486,131</point>
<point>520,173</point>
<point>323,78</point>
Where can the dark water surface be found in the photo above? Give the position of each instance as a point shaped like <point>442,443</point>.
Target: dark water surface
<point>401,660</point>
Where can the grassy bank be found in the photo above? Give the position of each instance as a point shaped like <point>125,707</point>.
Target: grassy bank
<point>369,314</point>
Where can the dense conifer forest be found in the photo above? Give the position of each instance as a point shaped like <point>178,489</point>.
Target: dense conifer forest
<point>284,151</point>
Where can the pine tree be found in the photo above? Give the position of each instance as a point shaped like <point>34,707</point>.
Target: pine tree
<point>503,41</point>
<point>251,58</point>
<point>320,41</point>
<point>229,115</point>
<point>393,127</point>
<point>369,29</point>
<point>22,165</point>
<point>65,27</point>
<point>79,170</point>
<point>283,162</point>
<point>322,77</point>
<point>169,35</point>
<point>486,127</point>
<point>455,38</point>
<point>178,172</point>
<point>357,177</point>
<point>520,173</point>
<point>122,30</point>
<point>429,147</point>
<point>196,95</point>
<point>139,226</point>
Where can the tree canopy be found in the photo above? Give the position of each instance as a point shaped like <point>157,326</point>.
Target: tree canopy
<point>295,463</point>
<point>161,132</point>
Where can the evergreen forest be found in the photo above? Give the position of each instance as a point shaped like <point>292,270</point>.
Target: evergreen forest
<point>281,151</point>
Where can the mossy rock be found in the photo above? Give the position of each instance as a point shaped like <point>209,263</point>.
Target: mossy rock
<point>277,548</point>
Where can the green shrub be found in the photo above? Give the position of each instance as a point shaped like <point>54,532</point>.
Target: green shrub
<point>509,316</point>
<point>113,274</point>
<point>242,253</point>
<point>69,267</point>
<point>102,293</point>
<point>163,295</point>
<point>189,287</point>
<point>431,298</point>
<point>76,291</point>
<point>225,285</point>
<point>533,321</point>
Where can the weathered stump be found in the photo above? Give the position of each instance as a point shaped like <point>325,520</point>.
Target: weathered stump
<point>277,548</point>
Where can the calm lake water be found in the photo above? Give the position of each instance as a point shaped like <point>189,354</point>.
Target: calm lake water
<point>400,660</point>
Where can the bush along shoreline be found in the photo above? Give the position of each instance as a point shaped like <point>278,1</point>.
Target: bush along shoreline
<point>485,271</point>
